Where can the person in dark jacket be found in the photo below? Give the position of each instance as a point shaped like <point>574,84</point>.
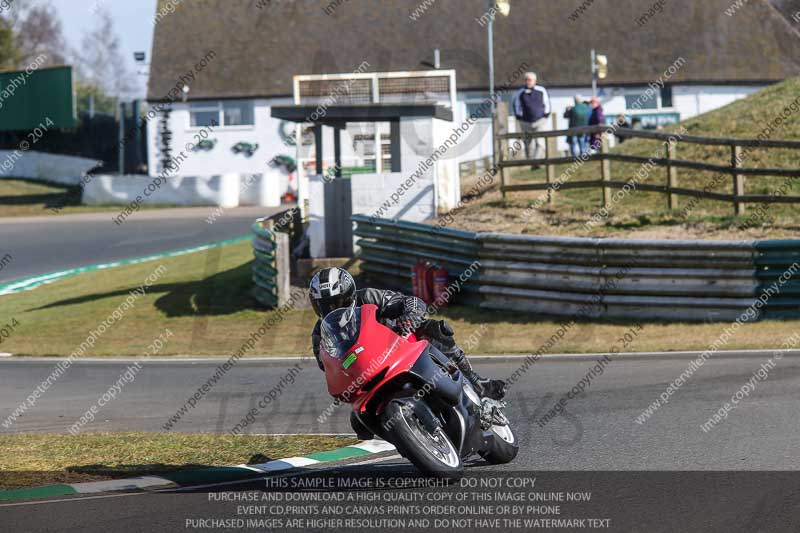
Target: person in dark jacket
<point>597,118</point>
<point>578,116</point>
<point>334,288</point>
<point>622,122</point>
<point>532,108</point>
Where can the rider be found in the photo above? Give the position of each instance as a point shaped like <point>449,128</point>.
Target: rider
<point>333,288</point>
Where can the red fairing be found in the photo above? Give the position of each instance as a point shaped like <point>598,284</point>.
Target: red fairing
<point>377,348</point>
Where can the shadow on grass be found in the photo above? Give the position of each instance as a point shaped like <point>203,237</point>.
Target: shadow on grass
<point>223,293</point>
<point>68,196</point>
<point>178,473</point>
<point>123,471</point>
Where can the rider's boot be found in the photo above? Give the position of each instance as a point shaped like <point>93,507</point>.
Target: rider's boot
<point>490,388</point>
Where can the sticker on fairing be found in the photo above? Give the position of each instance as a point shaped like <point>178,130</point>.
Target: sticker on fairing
<point>351,358</point>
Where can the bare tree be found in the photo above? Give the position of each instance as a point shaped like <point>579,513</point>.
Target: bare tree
<point>38,33</point>
<point>16,12</point>
<point>9,53</point>
<point>101,62</point>
<point>41,34</point>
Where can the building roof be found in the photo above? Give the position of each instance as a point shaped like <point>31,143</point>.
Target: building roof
<point>790,9</point>
<point>257,51</point>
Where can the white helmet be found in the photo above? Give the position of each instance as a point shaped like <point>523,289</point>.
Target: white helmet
<point>330,289</point>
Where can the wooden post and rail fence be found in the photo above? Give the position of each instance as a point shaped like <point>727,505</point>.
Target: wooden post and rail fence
<point>738,197</point>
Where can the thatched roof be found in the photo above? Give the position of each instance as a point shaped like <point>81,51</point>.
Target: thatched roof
<point>789,8</point>
<point>258,50</point>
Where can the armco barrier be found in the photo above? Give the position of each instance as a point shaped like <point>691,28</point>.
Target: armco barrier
<point>617,278</point>
<point>271,268</point>
<point>774,259</point>
<point>592,278</point>
<point>389,248</point>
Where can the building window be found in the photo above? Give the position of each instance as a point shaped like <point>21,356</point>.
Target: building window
<point>204,114</point>
<point>478,110</point>
<point>227,113</point>
<point>238,113</point>
<point>666,96</point>
<point>640,100</point>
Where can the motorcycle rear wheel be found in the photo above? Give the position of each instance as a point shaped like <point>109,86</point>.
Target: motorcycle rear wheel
<point>433,453</point>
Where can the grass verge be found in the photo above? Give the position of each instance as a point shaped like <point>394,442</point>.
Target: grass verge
<point>203,300</point>
<point>515,333</point>
<point>25,198</point>
<point>644,214</point>
<point>31,460</point>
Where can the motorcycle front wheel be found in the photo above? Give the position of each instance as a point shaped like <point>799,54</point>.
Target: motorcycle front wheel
<point>503,447</point>
<point>431,452</point>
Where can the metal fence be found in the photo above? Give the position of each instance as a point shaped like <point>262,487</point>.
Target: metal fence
<point>617,278</point>
<point>593,278</point>
<point>738,147</point>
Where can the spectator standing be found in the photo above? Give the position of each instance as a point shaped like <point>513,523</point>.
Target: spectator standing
<point>532,107</point>
<point>578,116</point>
<point>622,122</point>
<point>597,118</point>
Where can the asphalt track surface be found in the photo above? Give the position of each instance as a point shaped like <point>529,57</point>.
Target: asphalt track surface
<point>39,245</point>
<point>598,432</point>
<point>666,474</point>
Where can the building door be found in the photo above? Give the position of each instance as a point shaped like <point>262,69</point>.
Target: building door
<point>338,226</point>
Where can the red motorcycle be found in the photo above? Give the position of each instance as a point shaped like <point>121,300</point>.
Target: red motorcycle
<point>411,395</point>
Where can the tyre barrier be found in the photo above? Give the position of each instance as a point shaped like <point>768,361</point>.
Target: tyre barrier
<point>671,280</point>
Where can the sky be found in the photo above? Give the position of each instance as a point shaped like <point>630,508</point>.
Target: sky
<point>133,20</point>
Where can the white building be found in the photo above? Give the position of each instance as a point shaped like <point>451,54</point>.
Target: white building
<point>229,62</point>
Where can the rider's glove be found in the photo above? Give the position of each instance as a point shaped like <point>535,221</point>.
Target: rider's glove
<point>405,326</point>
<point>413,315</point>
<point>414,308</point>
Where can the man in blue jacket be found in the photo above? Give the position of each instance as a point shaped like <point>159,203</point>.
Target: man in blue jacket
<point>532,108</point>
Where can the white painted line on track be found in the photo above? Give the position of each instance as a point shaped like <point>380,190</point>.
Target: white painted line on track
<point>133,483</point>
<point>249,467</point>
<point>178,360</point>
<point>295,434</point>
<point>286,474</point>
<point>296,461</point>
<point>374,446</point>
<point>198,487</point>
<point>375,460</point>
<point>165,360</point>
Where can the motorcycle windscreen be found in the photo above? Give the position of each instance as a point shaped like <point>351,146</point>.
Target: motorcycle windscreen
<point>340,330</point>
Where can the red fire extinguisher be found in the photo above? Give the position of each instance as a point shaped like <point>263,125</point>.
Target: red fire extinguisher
<point>418,279</point>
<point>427,291</point>
<point>439,286</point>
